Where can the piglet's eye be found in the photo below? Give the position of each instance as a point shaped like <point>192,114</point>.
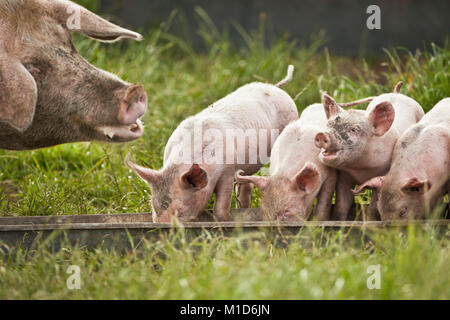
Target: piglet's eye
<point>403,212</point>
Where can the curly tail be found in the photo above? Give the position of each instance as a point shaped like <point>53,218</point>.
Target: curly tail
<point>398,86</point>
<point>290,73</point>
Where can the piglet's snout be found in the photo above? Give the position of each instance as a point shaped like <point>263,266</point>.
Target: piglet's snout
<point>322,141</point>
<point>134,105</point>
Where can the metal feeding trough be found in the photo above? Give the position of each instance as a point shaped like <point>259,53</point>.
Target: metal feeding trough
<point>129,229</point>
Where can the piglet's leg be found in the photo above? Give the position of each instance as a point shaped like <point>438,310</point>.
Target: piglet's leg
<point>344,196</point>
<point>244,194</point>
<point>323,208</point>
<point>224,192</point>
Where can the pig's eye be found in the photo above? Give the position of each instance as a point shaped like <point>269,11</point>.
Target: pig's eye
<point>353,130</point>
<point>403,212</point>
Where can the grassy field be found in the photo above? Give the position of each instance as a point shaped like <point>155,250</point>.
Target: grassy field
<point>413,264</point>
<point>88,178</point>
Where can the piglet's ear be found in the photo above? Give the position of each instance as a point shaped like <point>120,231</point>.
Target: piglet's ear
<point>148,175</point>
<point>308,179</point>
<point>18,93</point>
<point>374,183</point>
<point>382,117</point>
<point>79,19</point>
<point>195,177</point>
<point>330,105</point>
<point>416,186</point>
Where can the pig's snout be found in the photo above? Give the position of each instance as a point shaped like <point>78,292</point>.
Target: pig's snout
<point>287,215</point>
<point>283,215</point>
<point>134,105</point>
<point>322,141</point>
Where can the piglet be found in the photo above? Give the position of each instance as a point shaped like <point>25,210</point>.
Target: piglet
<point>359,143</point>
<point>203,153</point>
<point>297,176</point>
<point>420,170</point>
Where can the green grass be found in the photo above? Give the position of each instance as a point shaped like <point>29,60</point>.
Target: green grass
<point>90,178</point>
<point>316,265</point>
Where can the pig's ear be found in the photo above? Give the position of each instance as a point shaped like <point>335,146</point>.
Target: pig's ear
<point>382,117</point>
<point>78,19</point>
<point>195,177</point>
<point>148,175</point>
<point>416,186</point>
<point>259,182</point>
<point>330,105</point>
<point>308,179</point>
<point>374,183</point>
<point>18,93</point>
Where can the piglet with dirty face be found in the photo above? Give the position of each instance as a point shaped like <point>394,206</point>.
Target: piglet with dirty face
<point>420,170</point>
<point>359,143</point>
<point>203,153</point>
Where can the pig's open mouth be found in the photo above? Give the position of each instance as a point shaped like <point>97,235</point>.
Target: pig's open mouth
<point>122,133</point>
<point>330,155</point>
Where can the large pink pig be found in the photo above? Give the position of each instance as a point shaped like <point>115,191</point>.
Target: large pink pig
<point>420,170</point>
<point>49,94</point>
<point>359,143</point>
<point>203,153</point>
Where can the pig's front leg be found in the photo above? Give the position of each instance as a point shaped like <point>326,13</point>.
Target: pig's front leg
<point>224,192</point>
<point>323,208</point>
<point>344,196</point>
<point>244,194</point>
<point>373,214</point>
